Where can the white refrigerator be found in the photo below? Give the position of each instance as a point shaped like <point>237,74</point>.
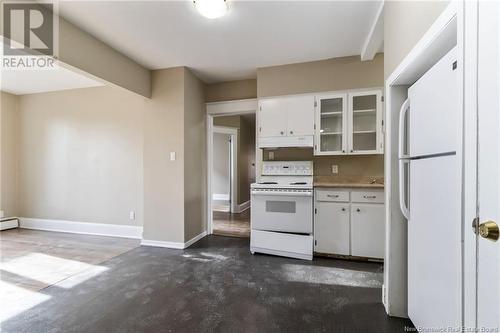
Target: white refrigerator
<point>430,195</point>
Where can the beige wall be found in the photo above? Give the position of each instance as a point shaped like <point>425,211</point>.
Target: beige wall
<point>405,22</point>
<point>164,179</point>
<point>324,75</point>
<point>9,137</point>
<point>355,165</point>
<point>246,151</point>
<point>231,90</point>
<point>81,155</point>
<point>195,189</point>
<point>85,52</point>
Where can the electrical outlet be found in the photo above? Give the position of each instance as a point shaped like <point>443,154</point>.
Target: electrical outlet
<point>131,215</point>
<point>335,169</point>
<point>172,156</point>
<point>271,155</point>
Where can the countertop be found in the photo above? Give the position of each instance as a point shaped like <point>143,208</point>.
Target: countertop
<point>349,182</point>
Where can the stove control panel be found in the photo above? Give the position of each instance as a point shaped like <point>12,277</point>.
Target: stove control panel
<point>287,168</point>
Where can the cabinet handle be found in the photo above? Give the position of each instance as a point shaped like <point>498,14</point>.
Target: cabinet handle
<point>369,196</point>
<point>291,132</point>
<point>332,195</point>
<point>343,151</point>
<point>358,210</point>
<point>352,151</point>
<point>343,209</point>
<point>282,132</point>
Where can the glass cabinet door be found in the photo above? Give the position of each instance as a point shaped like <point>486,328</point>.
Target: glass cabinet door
<point>364,111</point>
<point>331,124</point>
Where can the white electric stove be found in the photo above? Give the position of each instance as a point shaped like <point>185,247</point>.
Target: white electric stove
<point>282,210</point>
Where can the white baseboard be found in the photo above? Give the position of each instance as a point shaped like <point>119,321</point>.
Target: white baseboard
<point>173,245</point>
<point>6,224</point>
<point>242,207</point>
<point>221,197</point>
<point>100,229</point>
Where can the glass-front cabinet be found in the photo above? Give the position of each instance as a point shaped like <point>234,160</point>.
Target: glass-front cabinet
<point>365,122</point>
<point>349,123</point>
<point>331,124</point>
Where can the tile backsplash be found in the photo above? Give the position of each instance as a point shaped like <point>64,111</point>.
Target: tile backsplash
<point>349,165</point>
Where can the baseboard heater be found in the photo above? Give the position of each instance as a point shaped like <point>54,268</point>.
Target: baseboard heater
<point>9,223</point>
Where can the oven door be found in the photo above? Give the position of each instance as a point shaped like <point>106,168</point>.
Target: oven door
<point>287,210</point>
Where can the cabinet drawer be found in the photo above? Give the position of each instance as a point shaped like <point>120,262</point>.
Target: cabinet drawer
<point>367,196</point>
<point>332,195</point>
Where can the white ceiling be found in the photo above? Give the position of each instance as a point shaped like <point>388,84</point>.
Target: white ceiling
<point>21,82</point>
<point>162,34</point>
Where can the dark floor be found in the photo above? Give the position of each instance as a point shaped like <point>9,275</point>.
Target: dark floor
<point>231,224</point>
<point>215,286</point>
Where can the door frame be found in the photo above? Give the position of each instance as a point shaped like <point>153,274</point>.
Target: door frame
<point>446,32</point>
<point>233,160</point>
<point>227,108</point>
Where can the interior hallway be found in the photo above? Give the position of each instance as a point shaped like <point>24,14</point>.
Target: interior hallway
<point>216,285</point>
<point>231,224</point>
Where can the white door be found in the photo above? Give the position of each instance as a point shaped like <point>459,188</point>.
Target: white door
<point>300,115</point>
<point>272,117</point>
<point>367,230</point>
<point>434,243</point>
<point>365,122</point>
<point>331,228</point>
<point>488,201</point>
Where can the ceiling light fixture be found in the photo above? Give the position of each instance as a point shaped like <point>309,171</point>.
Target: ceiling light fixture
<point>211,8</point>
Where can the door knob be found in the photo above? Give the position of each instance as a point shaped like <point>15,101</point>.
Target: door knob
<point>489,230</point>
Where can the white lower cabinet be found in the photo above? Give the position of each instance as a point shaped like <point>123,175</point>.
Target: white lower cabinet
<point>345,224</point>
<point>332,227</point>
<point>367,230</point>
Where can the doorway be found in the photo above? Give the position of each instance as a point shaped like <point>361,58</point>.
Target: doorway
<point>232,161</point>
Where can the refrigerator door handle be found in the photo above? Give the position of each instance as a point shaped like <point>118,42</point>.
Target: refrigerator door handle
<point>402,128</point>
<point>402,188</point>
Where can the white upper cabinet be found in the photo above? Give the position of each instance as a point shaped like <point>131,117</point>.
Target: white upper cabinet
<point>331,124</point>
<point>272,113</point>
<point>300,115</point>
<point>365,122</point>
<point>286,121</point>
<point>349,123</point>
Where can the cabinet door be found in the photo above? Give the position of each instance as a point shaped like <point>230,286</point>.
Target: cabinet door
<point>271,117</point>
<point>365,122</point>
<point>331,124</point>
<point>331,228</point>
<point>300,115</point>
<point>367,230</point>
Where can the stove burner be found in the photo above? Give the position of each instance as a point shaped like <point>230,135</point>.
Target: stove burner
<point>269,183</point>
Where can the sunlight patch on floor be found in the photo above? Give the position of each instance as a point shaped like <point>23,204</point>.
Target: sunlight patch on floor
<point>331,276</point>
<point>15,300</point>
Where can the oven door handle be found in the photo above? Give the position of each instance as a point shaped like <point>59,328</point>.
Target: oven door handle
<point>283,193</point>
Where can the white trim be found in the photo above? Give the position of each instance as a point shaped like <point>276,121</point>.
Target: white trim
<point>173,245</point>
<point>101,229</point>
<point>233,172</point>
<point>210,126</point>
<point>375,37</point>
<point>435,43</point>
<point>11,223</point>
<point>220,196</point>
<point>242,207</point>
<point>232,107</point>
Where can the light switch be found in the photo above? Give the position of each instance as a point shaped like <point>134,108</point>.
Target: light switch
<point>132,215</point>
<point>335,169</point>
<point>172,155</point>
